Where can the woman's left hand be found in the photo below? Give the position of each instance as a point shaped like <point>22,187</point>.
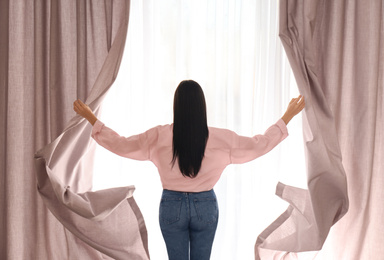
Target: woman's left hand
<point>84,110</point>
<point>294,107</point>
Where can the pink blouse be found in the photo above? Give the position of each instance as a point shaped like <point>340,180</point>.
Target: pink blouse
<point>223,148</point>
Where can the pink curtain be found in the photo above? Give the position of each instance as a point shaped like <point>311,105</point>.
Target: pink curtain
<point>52,52</point>
<point>336,50</point>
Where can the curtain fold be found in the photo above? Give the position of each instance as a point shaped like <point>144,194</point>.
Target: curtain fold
<point>304,226</point>
<point>53,52</point>
<point>62,167</point>
<point>336,52</point>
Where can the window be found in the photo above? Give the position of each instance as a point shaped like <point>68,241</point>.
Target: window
<point>232,49</point>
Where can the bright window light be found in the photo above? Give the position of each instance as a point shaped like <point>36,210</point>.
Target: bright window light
<point>232,49</point>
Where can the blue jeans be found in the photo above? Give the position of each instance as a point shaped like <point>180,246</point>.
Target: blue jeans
<point>188,222</point>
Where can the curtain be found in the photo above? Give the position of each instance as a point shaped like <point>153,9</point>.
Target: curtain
<point>233,50</point>
<point>352,78</point>
<point>336,52</point>
<point>51,53</point>
<point>304,226</point>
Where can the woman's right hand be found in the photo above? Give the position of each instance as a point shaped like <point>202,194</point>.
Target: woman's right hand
<point>294,107</point>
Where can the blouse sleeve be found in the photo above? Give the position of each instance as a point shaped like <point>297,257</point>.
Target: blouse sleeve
<point>135,147</point>
<point>245,149</point>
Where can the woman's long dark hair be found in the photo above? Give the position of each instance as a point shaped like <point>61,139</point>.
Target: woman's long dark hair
<point>190,130</point>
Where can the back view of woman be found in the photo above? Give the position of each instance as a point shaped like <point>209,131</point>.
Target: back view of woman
<point>190,157</point>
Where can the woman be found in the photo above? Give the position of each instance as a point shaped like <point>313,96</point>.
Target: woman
<point>190,157</point>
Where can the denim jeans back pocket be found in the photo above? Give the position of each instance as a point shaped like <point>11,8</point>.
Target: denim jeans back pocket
<point>207,210</point>
<point>170,210</point>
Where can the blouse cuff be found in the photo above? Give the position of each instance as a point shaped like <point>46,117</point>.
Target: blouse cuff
<point>283,127</point>
<point>97,127</point>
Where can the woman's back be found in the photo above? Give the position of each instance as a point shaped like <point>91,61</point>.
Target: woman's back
<point>223,148</point>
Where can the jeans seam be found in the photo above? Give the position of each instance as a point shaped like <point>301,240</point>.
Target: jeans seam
<point>187,205</point>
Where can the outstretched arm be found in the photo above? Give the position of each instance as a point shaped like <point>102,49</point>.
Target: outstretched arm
<point>294,107</point>
<point>135,147</point>
<point>244,149</point>
<point>84,111</point>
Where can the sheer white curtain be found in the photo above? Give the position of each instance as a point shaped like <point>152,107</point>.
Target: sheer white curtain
<point>231,47</point>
